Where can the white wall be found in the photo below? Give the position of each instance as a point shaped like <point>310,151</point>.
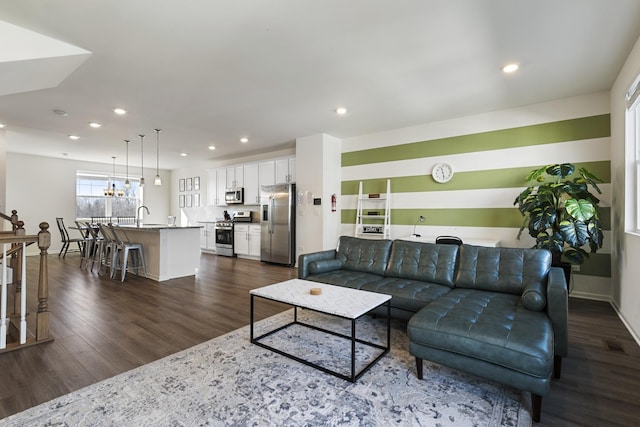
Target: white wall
<point>43,188</point>
<point>626,249</point>
<point>3,178</point>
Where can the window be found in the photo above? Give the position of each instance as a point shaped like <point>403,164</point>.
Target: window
<point>92,198</point>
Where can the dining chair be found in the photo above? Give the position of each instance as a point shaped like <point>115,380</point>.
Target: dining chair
<point>66,240</point>
<point>124,247</point>
<point>449,240</point>
<point>126,220</point>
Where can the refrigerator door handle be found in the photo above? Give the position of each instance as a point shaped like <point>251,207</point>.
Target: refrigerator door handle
<point>271,203</point>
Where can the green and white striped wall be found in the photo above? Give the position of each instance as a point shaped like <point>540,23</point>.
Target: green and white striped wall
<point>490,167</point>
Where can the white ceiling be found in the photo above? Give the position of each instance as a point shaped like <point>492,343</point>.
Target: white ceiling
<point>212,71</point>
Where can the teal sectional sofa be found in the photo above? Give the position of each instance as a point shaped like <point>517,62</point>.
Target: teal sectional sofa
<point>499,313</point>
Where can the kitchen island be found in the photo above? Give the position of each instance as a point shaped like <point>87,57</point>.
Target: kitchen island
<point>169,251</point>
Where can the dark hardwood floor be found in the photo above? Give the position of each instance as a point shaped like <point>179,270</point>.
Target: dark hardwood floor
<point>103,327</point>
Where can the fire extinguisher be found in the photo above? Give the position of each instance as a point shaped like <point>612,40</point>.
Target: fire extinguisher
<point>333,203</point>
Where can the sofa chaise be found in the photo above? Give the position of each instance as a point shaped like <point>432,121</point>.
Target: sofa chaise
<point>499,313</point>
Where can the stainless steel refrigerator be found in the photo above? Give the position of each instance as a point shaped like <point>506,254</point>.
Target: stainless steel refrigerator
<point>278,224</point>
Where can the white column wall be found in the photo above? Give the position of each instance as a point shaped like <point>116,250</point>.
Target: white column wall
<point>317,176</point>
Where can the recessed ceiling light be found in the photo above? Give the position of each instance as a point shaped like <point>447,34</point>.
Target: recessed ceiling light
<point>243,140</point>
<point>183,154</point>
<point>341,110</point>
<point>2,125</point>
<point>95,124</point>
<point>61,113</point>
<point>120,111</point>
<point>74,137</point>
<point>510,68</point>
<point>211,147</point>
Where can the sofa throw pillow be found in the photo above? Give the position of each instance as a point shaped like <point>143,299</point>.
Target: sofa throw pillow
<point>510,270</point>
<point>364,255</point>
<point>534,296</point>
<point>322,266</point>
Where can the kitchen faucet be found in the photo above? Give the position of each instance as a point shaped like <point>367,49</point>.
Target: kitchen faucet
<point>138,214</point>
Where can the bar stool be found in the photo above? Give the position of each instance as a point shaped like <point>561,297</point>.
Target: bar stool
<point>97,244</point>
<point>124,246</point>
<point>108,252</point>
<point>87,243</point>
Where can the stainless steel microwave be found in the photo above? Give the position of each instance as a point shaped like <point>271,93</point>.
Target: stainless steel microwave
<point>234,196</point>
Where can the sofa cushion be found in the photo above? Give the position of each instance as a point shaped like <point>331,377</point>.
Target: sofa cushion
<point>324,265</point>
<point>364,255</point>
<point>411,295</point>
<point>349,279</point>
<point>508,270</point>
<point>426,262</point>
<point>490,326</point>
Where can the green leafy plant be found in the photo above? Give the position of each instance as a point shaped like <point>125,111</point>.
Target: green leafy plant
<point>560,212</point>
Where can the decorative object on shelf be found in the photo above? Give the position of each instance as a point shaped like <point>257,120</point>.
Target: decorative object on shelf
<point>181,184</point>
<point>196,183</point>
<point>373,214</point>
<point>141,160</point>
<point>560,212</point>
<point>181,200</point>
<point>189,184</point>
<point>420,219</point>
<point>442,172</point>
<point>157,180</point>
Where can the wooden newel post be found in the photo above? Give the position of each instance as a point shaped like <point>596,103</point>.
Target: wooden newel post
<point>42,316</point>
<point>14,219</point>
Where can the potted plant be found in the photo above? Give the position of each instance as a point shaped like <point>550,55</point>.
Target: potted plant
<point>560,212</point>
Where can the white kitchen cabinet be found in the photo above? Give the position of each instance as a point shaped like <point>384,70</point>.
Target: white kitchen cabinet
<point>208,237</point>
<point>235,176</point>
<point>251,184</point>
<point>267,173</point>
<point>246,239</point>
<point>254,240</point>
<point>221,185</point>
<point>285,170</point>
<point>212,188</point>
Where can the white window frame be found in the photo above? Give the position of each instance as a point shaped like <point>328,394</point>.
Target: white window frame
<point>632,148</point>
<point>119,180</point>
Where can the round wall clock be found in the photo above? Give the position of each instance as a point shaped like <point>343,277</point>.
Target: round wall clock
<point>442,172</point>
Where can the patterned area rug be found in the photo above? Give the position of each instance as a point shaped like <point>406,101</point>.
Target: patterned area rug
<point>228,381</point>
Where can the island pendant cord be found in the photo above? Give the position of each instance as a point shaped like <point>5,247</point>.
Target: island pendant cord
<point>157,180</point>
<point>141,160</point>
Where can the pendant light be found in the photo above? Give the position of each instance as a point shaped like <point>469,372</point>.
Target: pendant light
<point>141,160</point>
<point>127,184</point>
<point>158,180</point>
<point>110,190</point>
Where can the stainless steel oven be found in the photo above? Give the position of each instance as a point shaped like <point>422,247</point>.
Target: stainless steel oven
<point>224,238</point>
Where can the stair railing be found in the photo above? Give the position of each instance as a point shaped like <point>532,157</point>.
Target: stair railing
<point>14,325</point>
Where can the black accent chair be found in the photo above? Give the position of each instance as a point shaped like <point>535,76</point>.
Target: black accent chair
<point>449,240</point>
<point>66,240</point>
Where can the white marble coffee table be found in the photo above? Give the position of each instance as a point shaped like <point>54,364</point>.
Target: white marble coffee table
<point>338,301</point>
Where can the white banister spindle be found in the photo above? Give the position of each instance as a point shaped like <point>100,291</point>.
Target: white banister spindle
<point>3,300</point>
<point>23,297</point>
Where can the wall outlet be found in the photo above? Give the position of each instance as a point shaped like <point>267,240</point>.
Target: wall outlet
<point>575,267</point>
